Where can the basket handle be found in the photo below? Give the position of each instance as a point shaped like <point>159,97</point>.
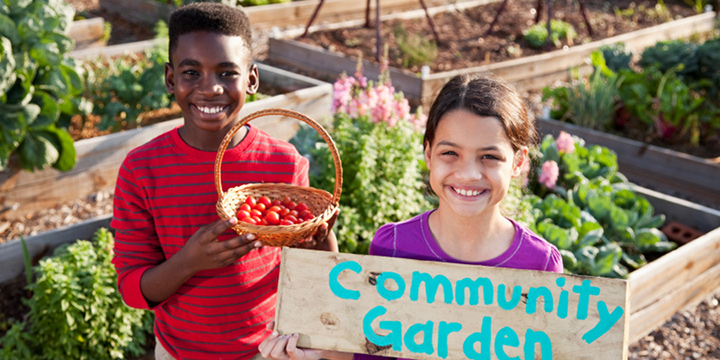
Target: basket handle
<point>280,112</point>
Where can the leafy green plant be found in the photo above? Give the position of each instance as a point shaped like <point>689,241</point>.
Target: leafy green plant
<point>76,311</point>
<point>590,104</point>
<point>537,35</point>
<point>38,83</point>
<point>382,159</point>
<point>415,49</point>
<point>589,210</point>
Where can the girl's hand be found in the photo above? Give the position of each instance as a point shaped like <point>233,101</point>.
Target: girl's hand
<point>203,250</point>
<point>284,347</point>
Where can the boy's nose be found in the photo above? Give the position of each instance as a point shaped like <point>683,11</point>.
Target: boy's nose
<point>210,86</point>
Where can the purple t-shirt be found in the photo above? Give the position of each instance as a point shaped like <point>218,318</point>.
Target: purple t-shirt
<point>412,239</point>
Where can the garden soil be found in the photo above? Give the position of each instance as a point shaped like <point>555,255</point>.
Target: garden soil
<point>692,333</point>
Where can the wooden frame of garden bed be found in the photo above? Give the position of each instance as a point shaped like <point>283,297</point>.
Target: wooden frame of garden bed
<point>98,159</point>
<point>87,33</point>
<point>665,170</point>
<point>532,72</point>
<point>294,13</point>
<point>658,290</point>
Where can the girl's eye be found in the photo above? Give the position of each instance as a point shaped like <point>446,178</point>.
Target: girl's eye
<point>449,153</point>
<point>490,157</point>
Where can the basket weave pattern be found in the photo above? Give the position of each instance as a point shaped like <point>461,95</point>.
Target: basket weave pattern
<point>320,202</point>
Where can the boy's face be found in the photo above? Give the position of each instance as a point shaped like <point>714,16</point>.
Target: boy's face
<point>210,76</point>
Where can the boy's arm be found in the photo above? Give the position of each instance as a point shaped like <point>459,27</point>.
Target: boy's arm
<point>201,252</point>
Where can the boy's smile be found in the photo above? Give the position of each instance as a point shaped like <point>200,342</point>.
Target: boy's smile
<point>210,75</point>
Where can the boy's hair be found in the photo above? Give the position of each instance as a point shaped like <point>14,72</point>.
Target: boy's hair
<point>484,97</point>
<point>211,17</point>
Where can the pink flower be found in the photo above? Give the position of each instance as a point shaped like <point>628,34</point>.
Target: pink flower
<point>565,143</point>
<point>549,174</point>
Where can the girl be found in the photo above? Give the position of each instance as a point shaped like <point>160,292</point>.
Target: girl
<point>476,140</point>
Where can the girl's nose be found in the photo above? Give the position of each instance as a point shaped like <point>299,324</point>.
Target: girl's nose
<point>469,170</point>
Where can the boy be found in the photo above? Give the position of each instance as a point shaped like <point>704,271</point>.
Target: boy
<point>212,291</point>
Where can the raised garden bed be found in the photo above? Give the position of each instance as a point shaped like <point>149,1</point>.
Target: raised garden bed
<point>99,158</point>
<point>88,33</point>
<point>266,16</point>
<point>665,170</point>
<point>526,73</point>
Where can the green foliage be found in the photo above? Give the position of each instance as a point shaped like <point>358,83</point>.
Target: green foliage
<point>599,224</point>
<point>382,180</point>
<point>590,104</point>
<point>537,35</point>
<point>76,311</point>
<point>415,49</point>
<point>38,84</point>
<point>123,88</point>
<point>675,96</point>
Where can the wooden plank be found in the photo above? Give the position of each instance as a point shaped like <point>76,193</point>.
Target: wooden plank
<point>665,169</point>
<point>11,255</point>
<point>146,12</point>
<point>116,50</point>
<point>654,315</point>
<point>340,310</point>
<point>87,33</point>
<point>100,158</point>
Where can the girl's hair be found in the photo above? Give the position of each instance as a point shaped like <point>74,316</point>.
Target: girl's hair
<point>211,17</point>
<point>485,97</point>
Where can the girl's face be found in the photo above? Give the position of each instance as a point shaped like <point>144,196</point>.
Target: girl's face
<point>471,162</point>
<point>210,76</point>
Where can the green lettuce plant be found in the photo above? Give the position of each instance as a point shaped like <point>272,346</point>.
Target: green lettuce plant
<point>38,84</point>
<point>76,311</point>
<point>585,207</point>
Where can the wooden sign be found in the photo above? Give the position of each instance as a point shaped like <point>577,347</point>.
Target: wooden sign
<point>429,310</point>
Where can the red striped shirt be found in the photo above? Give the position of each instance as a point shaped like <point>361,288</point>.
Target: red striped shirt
<point>164,193</point>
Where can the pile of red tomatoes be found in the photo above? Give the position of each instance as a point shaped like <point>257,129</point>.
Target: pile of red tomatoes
<point>264,211</point>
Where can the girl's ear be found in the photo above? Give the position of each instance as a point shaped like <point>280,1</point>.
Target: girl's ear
<point>427,154</point>
<point>521,156</point>
<point>169,78</point>
<point>253,80</point>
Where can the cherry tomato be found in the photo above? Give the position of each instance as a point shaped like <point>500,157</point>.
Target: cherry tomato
<point>265,200</point>
<point>309,217</point>
<point>263,222</point>
<point>303,214</point>
<point>245,207</point>
<point>257,219</point>
<point>293,213</point>
<point>300,207</point>
<point>260,206</point>
<point>286,199</point>
<point>256,212</point>
<point>243,214</point>
<point>250,200</point>
<point>286,222</point>
<point>284,212</point>
<point>249,220</point>
<point>291,218</point>
<point>272,218</point>
<point>277,203</point>
<point>275,208</point>
<point>290,205</point>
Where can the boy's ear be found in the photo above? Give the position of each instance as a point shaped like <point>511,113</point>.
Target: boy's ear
<point>253,80</point>
<point>521,156</point>
<point>169,78</point>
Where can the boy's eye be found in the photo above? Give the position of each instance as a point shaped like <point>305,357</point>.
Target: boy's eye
<point>449,153</point>
<point>190,72</point>
<point>490,157</point>
<point>229,73</point>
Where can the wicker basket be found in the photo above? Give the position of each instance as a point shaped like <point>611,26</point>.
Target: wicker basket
<point>320,202</point>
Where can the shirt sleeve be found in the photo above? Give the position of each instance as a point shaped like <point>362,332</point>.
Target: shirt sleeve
<point>555,262</point>
<point>383,243</point>
<point>136,246</point>
<point>302,169</point>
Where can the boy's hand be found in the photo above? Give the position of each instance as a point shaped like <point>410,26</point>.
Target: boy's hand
<point>203,250</point>
<point>321,233</point>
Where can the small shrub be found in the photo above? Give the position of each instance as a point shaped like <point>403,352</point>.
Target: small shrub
<point>415,49</point>
<point>537,35</point>
<point>76,311</point>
